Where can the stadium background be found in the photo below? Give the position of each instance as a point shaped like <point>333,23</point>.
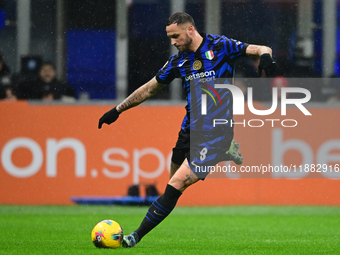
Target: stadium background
<point>51,152</point>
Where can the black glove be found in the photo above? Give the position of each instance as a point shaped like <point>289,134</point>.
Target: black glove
<point>109,117</point>
<point>267,64</point>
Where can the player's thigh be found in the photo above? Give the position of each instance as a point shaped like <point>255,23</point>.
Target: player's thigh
<point>183,177</point>
<point>173,169</point>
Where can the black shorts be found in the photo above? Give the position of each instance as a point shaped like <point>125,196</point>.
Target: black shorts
<point>181,148</point>
<point>207,150</point>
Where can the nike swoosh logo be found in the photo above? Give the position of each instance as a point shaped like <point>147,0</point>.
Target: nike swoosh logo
<point>181,64</point>
<point>193,163</point>
<point>157,213</point>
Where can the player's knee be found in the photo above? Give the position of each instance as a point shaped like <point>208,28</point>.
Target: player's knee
<point>177,184</point>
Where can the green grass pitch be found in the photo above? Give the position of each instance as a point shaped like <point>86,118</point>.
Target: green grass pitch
<point>188,230</point>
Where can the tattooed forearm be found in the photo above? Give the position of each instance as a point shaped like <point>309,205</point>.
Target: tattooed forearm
<point>136,98</point>
<point>126,104</point>
<point>258,50</point>
<point>140,95</point>
<point>252,49</point>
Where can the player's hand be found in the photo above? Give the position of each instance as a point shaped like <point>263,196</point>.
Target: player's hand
<point>268,64</point>
<point>109,117</point>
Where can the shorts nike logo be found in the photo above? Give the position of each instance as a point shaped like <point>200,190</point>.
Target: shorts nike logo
<point>157,213</point>
<point>193,163</point>
<point>181,64</point>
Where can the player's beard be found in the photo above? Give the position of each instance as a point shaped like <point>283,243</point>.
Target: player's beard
<point>186,45</point>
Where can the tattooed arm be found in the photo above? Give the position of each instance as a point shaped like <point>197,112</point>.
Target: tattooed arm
<point>267,63</point>
<point>258,50</point>
<point>140,95</point>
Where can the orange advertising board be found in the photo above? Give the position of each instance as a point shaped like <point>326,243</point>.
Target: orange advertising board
<point>50,153</point>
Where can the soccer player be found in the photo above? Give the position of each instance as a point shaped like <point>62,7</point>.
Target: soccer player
<point>200,58</point>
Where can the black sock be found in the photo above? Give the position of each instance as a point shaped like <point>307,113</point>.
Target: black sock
<point>158,211</point>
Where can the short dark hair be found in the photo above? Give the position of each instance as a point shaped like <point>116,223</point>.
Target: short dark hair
<point>180,18</point>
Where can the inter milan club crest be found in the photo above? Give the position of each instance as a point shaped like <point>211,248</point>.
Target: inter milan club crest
<point>197,65</point>
<point>209,54</point>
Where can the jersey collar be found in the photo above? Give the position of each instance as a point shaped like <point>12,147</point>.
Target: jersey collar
<point>198,51</point>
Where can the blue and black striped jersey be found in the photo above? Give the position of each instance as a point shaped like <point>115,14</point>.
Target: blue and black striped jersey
<point>215,58</point>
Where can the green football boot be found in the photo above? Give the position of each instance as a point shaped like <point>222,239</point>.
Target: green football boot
<point>234,153</point>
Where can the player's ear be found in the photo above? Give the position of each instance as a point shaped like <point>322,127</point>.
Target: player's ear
<point>191,29</point>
